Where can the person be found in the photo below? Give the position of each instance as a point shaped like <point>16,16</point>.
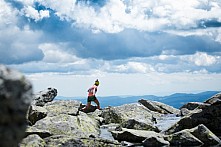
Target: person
<point>91,96</point>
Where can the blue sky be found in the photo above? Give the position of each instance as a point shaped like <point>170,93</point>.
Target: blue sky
<point>134,47</point>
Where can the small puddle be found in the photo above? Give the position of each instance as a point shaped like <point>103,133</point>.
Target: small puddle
<point>105,131</point>
<point>166,121</point>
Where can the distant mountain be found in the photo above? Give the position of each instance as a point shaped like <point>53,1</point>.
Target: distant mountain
<point>179,99</point>
<point>176,100</point>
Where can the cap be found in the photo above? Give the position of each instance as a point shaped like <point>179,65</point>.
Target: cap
<point>96,82</point>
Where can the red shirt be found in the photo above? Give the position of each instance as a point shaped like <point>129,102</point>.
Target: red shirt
<point>92,90</point>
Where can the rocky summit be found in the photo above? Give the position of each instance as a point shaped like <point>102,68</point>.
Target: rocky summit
<point>60,123</point>
<point>37,120</point>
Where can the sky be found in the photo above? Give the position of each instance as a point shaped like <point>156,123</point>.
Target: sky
<point>134,47</point>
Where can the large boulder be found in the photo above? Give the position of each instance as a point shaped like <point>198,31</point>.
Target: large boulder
<point>205,135</point>
<point>15,97</point>
<point>70,107</point>
<point>45,96</point>
<point>194,105</point>
<point>127,112</point>
<point>159,107</point>
<point>69,141</point>
<point>209,116</point>
<point>63,118</point>
<point>133,124</point>
<point>214,99</point>
<point>136,136</point>
<point>197,136</point>
<point>79,126</point>
<point>183,138</point>
<point>154,140</point>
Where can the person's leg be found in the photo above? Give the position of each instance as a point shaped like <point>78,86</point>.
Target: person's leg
<point>88,105</point>
<point>98,104</point>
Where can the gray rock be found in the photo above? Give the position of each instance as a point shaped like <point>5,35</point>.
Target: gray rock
<point>214,99</point>
<point>205,135</point>
<point>194,105</point>
<point>127,112</point>
<point>184,112</point>
<point>183,138</point>
<point>63,141</point>
<point>62,107</point>
<point>36,113</point>
<point>32,141</point>
<point>15,96</point>
<point>199,135</point>
<point>63,124</point>
<point>69,141</point>
<point>159,107</point>
<point>111,115</point>
<point>135,136</point>
<point>33,130</point>
<point>45,96</point>
<point>155,140</point>
<point>133,124</point>
<point>209,116</point>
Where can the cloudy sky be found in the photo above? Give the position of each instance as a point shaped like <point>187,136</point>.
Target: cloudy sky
<point>133,47</point>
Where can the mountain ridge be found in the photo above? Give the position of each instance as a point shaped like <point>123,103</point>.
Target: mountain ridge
<point>176,100</point>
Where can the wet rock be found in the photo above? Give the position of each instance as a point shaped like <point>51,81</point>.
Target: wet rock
<point>159,107</point>
<point>45,96</point>
<point>15,97</point>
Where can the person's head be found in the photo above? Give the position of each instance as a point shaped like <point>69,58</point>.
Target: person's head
<point>96,83</point>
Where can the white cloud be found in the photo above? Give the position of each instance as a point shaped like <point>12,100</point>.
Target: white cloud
<point>201,59</point>
<point>7,15</point>
<point>19,45</point>
<point>54,53</point>
<point>32,13</point>
<point>116,16</point>
<point>142,15</point>
<point>139,67</point>
<point>113,17</point>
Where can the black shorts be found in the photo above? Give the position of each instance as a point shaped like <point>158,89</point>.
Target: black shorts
<point>91,98</point>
